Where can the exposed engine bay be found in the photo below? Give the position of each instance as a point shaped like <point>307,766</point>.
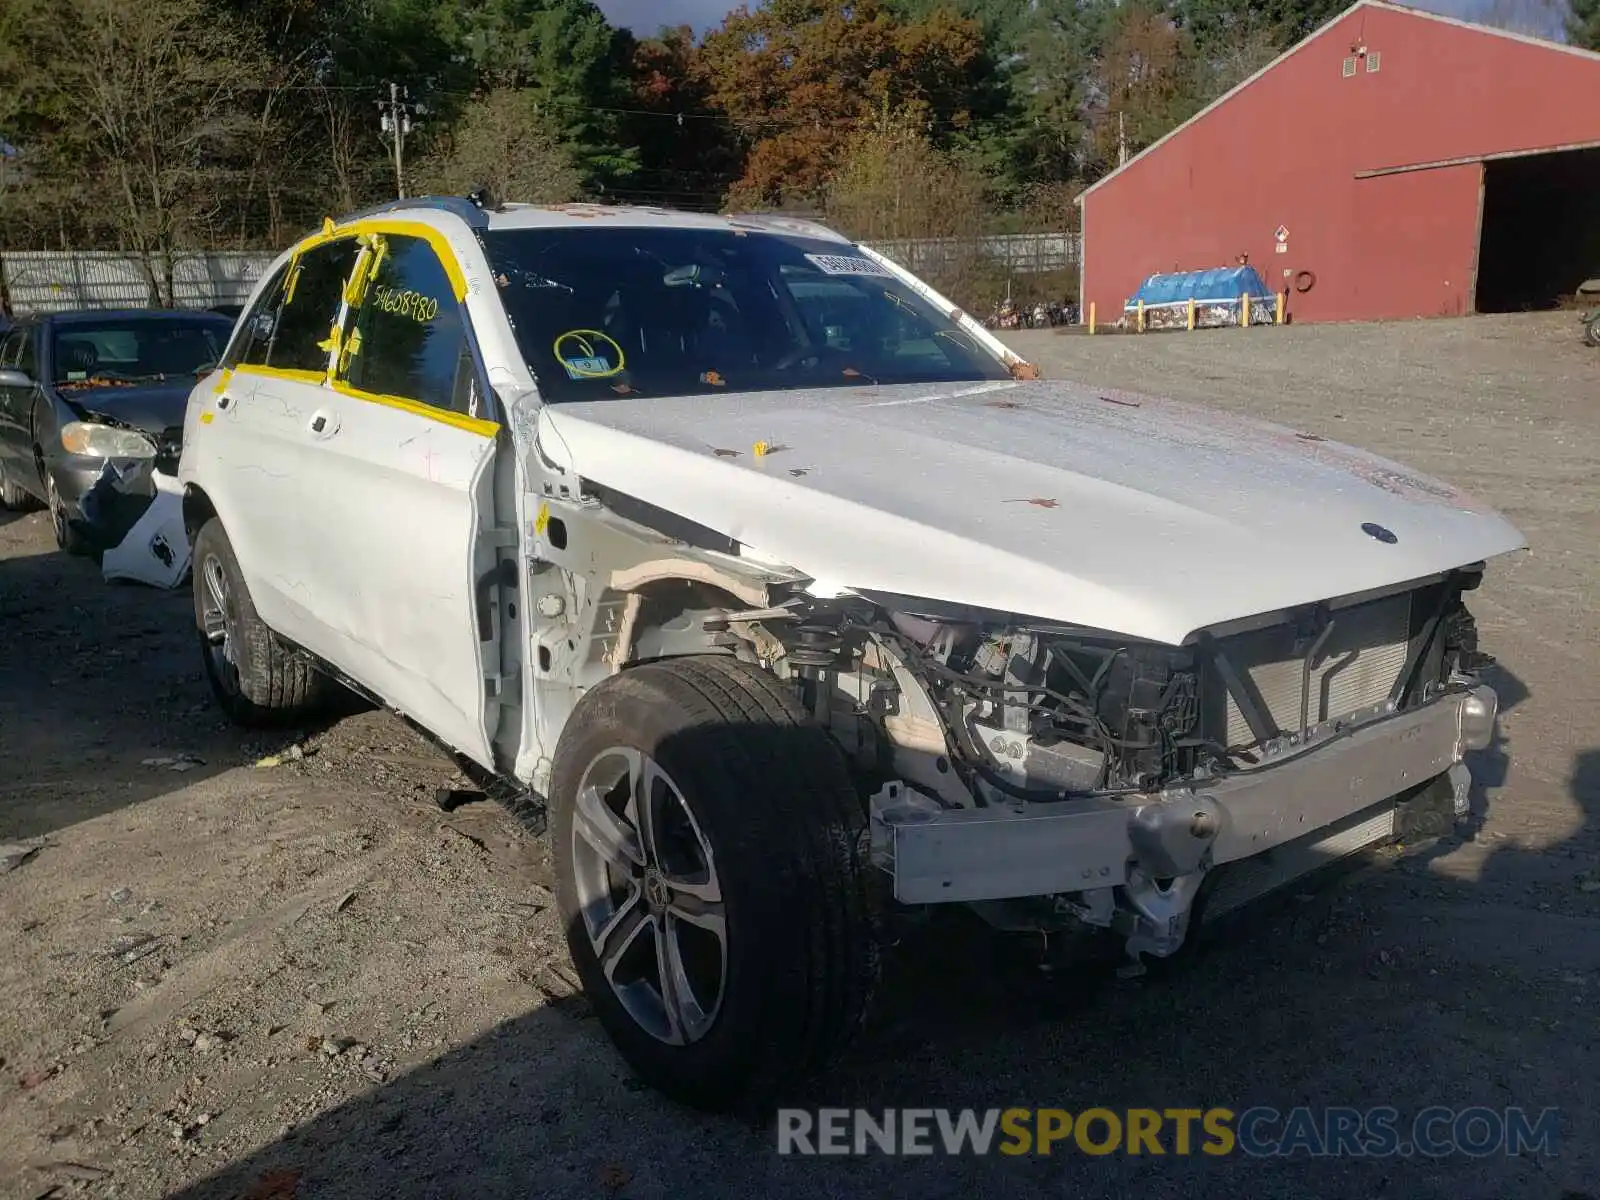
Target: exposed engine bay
<point>943,710</point>
<point>1047,714</point>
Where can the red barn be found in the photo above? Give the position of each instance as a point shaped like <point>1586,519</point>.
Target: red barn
<point>1393,164</point>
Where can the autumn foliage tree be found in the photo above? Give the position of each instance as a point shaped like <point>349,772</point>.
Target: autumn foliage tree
<point>796,78</point>
<point>687,152</point>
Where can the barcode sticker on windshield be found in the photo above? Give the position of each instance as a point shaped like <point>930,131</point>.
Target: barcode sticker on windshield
<point>847,264</point>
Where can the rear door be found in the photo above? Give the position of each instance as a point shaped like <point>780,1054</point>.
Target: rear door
<point>393,487</point>
<point>271,392</point>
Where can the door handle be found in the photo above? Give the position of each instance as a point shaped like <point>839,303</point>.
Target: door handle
<point>323,425</point>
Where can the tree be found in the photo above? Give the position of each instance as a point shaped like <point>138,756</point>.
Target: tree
<point>565,54</point>
<point>797,77</point>
<point>153,103</point>
<point>1583,24</point>
<point>1145,84</point>
<point>894,185</point>
<point>503,142</point>
<point>687,153</point>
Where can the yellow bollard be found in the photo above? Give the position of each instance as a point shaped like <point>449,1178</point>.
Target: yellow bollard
<point>1282,299</point>
<point>1244,310</point>
<point>1091,316</point>
<point>1191,314</point>
<point>1141,316</point>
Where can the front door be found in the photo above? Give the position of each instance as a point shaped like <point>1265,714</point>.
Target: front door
<point>392,492</point>
<point>275,384</point>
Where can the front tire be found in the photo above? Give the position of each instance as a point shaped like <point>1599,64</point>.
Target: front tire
<point>1591,332</point>
<point>713,878</point>
<point>68,539</point>
<point>259,681</point>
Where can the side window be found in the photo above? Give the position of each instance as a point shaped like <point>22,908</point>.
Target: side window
<point>253,342</point>
<point>11,348</point>
<point>27,359</point>
<point>410,337</point>
<point>312,295</point>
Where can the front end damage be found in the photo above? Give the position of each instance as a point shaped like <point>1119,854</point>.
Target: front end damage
<point>1063,779</point>
<point>130,511</point>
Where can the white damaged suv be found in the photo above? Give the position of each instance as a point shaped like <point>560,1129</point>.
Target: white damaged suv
<point>800,601</point>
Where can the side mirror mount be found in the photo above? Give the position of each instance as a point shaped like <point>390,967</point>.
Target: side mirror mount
<point>15,379</point>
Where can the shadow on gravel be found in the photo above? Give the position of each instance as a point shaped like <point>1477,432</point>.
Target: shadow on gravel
<point>103,699</point>
<point>1298,1005</point>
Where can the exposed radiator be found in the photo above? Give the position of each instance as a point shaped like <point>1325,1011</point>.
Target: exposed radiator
<point>1356,668</point>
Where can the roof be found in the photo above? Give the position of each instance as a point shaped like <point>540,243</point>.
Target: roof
<point>1384,5</point>
<point>435,210</point>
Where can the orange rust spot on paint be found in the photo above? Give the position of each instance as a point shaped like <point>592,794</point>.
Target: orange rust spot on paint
<point>1038,502</point>
<point>1024,371</point>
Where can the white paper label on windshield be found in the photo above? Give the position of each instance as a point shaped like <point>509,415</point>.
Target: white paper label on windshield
<point>848,264</point>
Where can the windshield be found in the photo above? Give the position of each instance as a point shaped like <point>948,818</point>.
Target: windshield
<point>136,349</point>
<point>674,312</point>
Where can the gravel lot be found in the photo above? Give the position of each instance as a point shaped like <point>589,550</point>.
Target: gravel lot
<point>275,969</point>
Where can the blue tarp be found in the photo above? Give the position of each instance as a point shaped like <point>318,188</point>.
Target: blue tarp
<point>1220,285</point>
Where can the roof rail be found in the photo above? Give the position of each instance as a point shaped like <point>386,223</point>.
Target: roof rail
<point>458,206</point>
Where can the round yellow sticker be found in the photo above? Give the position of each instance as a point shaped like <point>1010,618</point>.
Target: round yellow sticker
<point>593,352</point>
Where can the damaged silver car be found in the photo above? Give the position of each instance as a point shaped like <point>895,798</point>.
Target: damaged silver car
<point>793,601</point>
<point>91,418</point>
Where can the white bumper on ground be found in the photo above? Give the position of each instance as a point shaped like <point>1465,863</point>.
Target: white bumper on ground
<point>156,550</point>
<point>1000,853</point>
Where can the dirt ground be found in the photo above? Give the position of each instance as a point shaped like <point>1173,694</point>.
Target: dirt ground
<point>274,969</point>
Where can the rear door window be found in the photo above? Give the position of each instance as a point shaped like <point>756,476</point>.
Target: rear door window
<point>312,296</point>
<point>409,340</point>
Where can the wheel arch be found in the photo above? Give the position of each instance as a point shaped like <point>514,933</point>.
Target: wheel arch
<point>197,509</point>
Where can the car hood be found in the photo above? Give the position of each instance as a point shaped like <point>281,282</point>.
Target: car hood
<point>151,407</point>
<point>1135,515</point>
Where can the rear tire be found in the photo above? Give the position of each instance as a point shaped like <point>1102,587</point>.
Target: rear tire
<point>258,679</point>
<point>753,828</point>
<point>1591,332</point>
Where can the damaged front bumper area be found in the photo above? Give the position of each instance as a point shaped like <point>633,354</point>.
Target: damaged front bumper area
<point>131,513</point>
<point>1137,864</point>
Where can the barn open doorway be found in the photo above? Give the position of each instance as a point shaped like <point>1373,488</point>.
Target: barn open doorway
<point>1541,229</point>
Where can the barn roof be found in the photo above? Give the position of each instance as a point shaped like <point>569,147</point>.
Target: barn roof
<point>1384,5</point>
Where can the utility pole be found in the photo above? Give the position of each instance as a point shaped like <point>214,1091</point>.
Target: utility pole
<point>1122,139</point>
<point>394,118</point>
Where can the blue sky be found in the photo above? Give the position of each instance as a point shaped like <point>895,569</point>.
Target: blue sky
<point>646,16</point>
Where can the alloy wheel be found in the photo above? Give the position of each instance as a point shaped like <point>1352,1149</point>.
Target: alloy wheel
<point>218,623</point>
<point>649,896</point>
